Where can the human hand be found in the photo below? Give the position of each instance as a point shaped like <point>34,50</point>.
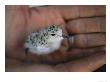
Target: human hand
<point>87,23</point>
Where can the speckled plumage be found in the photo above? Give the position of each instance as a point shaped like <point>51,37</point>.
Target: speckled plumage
<point>45,41</point>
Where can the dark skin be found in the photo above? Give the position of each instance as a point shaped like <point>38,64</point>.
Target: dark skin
<point>86,23</point>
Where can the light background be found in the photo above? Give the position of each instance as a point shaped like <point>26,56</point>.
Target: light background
<point>50,76</point>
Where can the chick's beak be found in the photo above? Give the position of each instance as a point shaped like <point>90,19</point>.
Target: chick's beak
<point>64,36</point>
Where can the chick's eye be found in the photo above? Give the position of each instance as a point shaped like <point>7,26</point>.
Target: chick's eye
<point>53,34</point>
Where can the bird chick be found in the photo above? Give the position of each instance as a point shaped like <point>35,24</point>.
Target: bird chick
<point>45,41</point>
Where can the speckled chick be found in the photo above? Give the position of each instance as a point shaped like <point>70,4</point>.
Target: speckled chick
<point>45,41</point>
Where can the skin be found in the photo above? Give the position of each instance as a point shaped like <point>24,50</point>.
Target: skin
<point>87,23</point>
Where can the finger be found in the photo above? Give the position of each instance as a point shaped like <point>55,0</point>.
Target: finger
<point>87,25</point>
<point>22,56</point>
<point>12,62</point>
<point>59,56</point>
<point>86,64</point>
<point>62,56</point>
<point>82,65</point>
<point>89,40</point>
<point>30,68</point>
<point>72,12</point>
<point>77,53</point>
<point>43,16</point>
